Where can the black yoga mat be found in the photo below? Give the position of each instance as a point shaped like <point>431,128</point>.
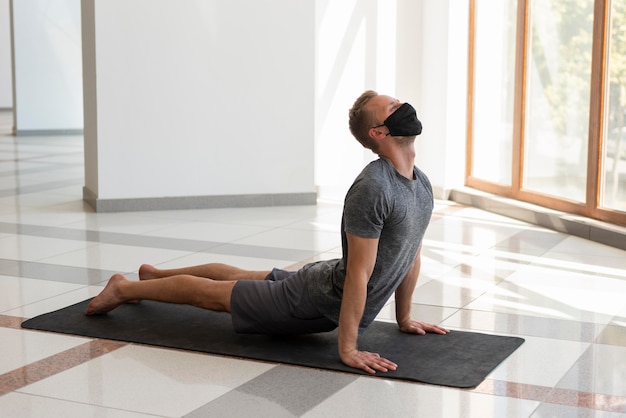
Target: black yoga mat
<point>458,359</point>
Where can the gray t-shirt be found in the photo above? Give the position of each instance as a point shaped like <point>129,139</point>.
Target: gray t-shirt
<point>380,204</point>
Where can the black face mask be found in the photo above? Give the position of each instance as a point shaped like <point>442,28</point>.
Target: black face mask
<point>403,122</point>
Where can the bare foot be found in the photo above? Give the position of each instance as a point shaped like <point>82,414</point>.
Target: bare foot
<point>147,272</point>
<point>108,299</point>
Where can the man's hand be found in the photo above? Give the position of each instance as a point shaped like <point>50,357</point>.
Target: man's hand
<point>421,328</point>
<point>369,362</point>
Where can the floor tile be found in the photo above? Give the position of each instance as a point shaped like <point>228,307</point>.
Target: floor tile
<point>523,325</point>
<point>29,248</point>
<point>283,391</point>
<point>427,313</point>
<point>17,292</point>
<point>113,257</point>
<point>490,265</point>
<point>21,347</point>
<point>249,263</point>
<point>583,247</point>
<point>23,405</point>
<point>396,399</point>
<point>127,223</point>
<point>54,272</point>
<point>208,231</point>
<point>602,265</point>
<point>553,293</point>
<point>539,361</point>
<point>439,259</point>
<point>548,410</point>
<point>613,334</point>
<point>149,380</point>
<point>41,216</point>
<point>272,217</point>
<point>535,241</point>
<point>298,239</point>
<point>270,252</point>
<point>477,235</point>
<point>451,291</point>
<point>54,303</point>
<point>601,369</point>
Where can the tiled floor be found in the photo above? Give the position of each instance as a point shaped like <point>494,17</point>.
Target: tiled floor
<point>566,296</point>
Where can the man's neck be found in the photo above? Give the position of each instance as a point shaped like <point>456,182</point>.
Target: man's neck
<point>403,159</point>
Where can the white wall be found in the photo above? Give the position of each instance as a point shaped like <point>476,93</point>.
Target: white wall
<point>6,82</point>
<point>443,94</point>
<point>346,64</point>
<point>413,50</point>
<point>199,98</point>
<point>48,78</point>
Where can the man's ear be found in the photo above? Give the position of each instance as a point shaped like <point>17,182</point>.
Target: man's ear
<point>378,133</point>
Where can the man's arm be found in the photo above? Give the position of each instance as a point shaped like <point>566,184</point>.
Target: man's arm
<point>404,293</point>
<point>361,260</point>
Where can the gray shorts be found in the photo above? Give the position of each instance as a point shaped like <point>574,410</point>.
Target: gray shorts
<point>280,304</point>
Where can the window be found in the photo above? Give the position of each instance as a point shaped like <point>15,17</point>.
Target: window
<point>558,77</point>
<point>547,110</point>
<point>613,185</point>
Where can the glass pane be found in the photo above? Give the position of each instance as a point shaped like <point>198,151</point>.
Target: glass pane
<point>613,184</point>
<point>557,98</point>
<point>494,84</point>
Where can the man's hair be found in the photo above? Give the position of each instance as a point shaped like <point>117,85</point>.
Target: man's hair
<point>362,119</point>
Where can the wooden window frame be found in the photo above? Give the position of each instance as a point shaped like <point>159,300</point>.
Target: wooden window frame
<point>590,208</point>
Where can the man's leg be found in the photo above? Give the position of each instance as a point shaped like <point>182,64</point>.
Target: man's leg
<point>215,271</point>
<point>181,289</point>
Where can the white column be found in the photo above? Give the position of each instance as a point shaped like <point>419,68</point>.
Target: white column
<point>198,103</point>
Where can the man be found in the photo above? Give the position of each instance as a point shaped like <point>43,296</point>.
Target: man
<point>385,215</point>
